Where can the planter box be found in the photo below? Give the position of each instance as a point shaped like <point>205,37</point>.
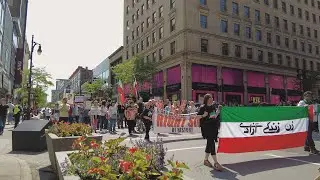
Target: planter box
<point>62,166</point>
<point>58,144</point>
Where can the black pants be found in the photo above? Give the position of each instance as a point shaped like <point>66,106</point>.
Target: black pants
<point>103,123</point>
<point>147,124</point>
<point>77,119</point>
<point>211,146</point>
<point>16,120</point>
<point>131,124</point>
<point>309,141</point>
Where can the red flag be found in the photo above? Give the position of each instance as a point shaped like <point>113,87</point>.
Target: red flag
<point>121,92</point>
<point>311,112</point>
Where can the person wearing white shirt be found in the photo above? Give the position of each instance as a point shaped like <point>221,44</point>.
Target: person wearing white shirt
<point>103,122</point>
<point>309,144</point>
<point>94,113</point>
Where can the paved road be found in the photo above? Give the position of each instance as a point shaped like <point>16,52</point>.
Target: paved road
<point>293,164</point>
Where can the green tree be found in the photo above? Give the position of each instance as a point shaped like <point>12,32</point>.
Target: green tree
<point>41,81</point>
<point>135,68</point>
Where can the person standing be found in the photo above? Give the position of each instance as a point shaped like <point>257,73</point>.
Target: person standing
<point>103,123</point>
<point>10,112</point>
<point>47,113</point>
<point>3,114</point>
<point>146,116</point>
<point>309,143</point>
<point>64,111</point>
<point>130,114</point>
<point>76,113</point>
<point>113,112</point>
<point>121,119</point>
<point>209,126</point>
<point>94,115</point>
<point>17,114</point>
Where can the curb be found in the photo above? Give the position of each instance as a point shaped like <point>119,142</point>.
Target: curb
<point>25,170</point>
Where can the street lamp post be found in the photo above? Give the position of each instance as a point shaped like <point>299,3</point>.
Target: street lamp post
<point>39,51</point>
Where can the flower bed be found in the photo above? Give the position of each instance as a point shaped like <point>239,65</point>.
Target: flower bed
<point>113,161</point>
<point>60,137</point>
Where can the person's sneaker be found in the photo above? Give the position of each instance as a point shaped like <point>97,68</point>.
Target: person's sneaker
<point>314,151</point>
<point>307,149</point>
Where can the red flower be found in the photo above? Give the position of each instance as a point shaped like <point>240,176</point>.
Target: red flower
<point>125,166</point>
<point>133,150</point>
<point>148,157</point>
<point>94,145</point>
<point>103,159</point>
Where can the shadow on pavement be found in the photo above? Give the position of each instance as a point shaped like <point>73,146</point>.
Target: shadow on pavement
<point>46,173</point>
<point>225,174</point>
<point>26,153</point>
<point>257,166</point>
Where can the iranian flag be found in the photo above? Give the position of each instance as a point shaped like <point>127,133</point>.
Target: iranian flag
<point>121,92</point>
<point>250,129</point>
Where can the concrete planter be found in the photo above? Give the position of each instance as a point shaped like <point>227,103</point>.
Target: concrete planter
<point>58,144</point>
<point>63,162</point>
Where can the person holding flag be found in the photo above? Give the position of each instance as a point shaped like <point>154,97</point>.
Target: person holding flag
<point>307,102</point>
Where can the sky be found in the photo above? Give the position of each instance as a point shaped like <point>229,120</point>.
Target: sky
<point>74,33</point>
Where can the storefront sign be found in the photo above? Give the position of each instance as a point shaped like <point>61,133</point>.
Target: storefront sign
<point>176,123</point>
<point>204,86</point>
<point>257,99</point>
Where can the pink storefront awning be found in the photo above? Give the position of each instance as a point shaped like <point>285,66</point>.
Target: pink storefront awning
<point>204,74</point>
<point>174,75</point>
<point>232,76</point>
<point>255,79</point>
<point>276,81</point>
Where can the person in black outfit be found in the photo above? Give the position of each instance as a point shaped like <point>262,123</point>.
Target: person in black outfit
<point>209,127</point>
<point>147,119</point>
<point>3,114</point>
<point>121,117</point>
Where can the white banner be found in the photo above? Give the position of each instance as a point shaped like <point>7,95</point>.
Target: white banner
<point>183,123</point>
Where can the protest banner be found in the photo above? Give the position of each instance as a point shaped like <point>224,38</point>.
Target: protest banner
<point>182,123</point>
<point>250,129</point>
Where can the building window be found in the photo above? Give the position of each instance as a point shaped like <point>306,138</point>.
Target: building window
<point>308,32</point>
<point>292,10</point>
<point>148,4</point>
<point>153,1</point>
<point>160,32</point>
<point>173,24</point>
<point>311,66</point>
<point>154,37</point>
<point>312,3</point>
<point>127,55</point>
<point>203,2</point>
<point>248,32</point>
<point>148,22</point>
<point>225,49</point>
<point>300,13</point>
<point>249,53</point>
<point>236,29</point>
<point>269,38</point>
<point>270,57</point>
<point>235,8</point>
<point>301,30</point>
<point>237,51</point>
<point>258,35</point>
<point>133,18</point>
<point>266,2</point>
<point>204,45</point>
<point>275,4</point>
<point>306,2</point>
<point>137,48</point>
<point>310,48</point>
<point>147,58</point>
<point>302,47</point>
<point>142,9</point>
<point>267,18</point>
<point>260,55</point>
<point>307,15</point>
<point>289,61</point>
<point>285,24</point>
<point>154,17</point>
<point>318,4</point>
<point>132,35</point>
<point>304,64</point>
<point>138,30</point>
<point>315,32</point>
<point>223,5</point>
<point>296,63</point>
<point>203,21</point>
<point>154,56</point>
<point>138,13</point>
<point>148,41</point>
<point>286,41</point>
<point>142,45</point>
<point>128,9</point>
<point>173,48</point>
<point>224,26</point>
<point>293,27</point>
<point>280,61</point>
<point>128,23</point>
<point>314,18</point>
<point>132,50</point>
<point>284,7</point>
<point>160,11</point>
<point>278,40</point>
<point>317,50</point>
<point>276,22</point>
<point>246,12</point>
<point>160,54</point>
<point>127,40</point>
<point>295,44</point>
<point>257,15</point>
<point>172,4</point>
<point>142,27</point>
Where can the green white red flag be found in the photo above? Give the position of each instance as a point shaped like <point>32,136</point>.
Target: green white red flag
<point>250,129</point>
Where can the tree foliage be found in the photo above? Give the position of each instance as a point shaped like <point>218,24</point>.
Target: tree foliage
<point>98,88</point>
<point>41,81</point>
<point>134,68</point>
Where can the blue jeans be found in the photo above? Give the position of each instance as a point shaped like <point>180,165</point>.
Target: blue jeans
<point>2,123</point>
<point>112,125</point>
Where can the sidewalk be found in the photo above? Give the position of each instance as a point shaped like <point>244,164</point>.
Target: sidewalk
<point>12,168</point>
